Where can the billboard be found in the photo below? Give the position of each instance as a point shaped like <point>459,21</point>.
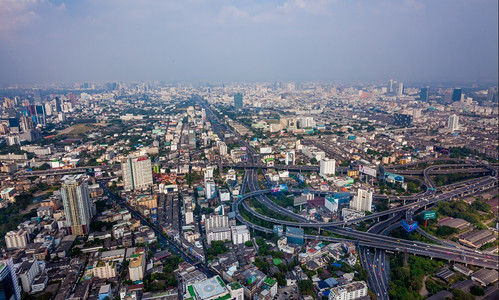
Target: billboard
<point>279,188</point>
<point>300,177</point>
<point>279,230</point>
<point>366,170</point>
<point>409,227</point>
<point>394,177</point>
<point>266,150</point>
<point>294,235</point>
<point>429,214</point>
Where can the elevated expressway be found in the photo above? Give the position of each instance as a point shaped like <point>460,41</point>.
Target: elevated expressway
<point>366,238</point>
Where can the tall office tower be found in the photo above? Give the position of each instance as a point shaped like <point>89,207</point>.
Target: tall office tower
<point>456,94</point>
<point>328,167</point>
<point>203,114</point>
<point>58,104</point>
<point>37,97</point>
<point>492,95</point>
<point>40,115</point>
<point>453,123</point>
<point>137,173</point>
<point>238,101</point>
<point>390,85</point>
<point>48,109</point>
<point>9,285</point>
<point>424,94</point>
<point>26,123</point>
<point>362,201</point>
<point>77,204</point>
<point>400,90</point>
<point>72,98</point>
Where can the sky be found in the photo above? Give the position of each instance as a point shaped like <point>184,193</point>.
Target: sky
<point>44,41</point>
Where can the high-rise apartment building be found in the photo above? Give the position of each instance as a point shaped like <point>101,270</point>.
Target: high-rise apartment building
<point>327,167</point>
<point>362,201</point>
<point>222,148</point>
<point>238,101</point>
<point>137,173</point>
<point>453,123</point>
<point>9,286</point>
<point>77,204</point>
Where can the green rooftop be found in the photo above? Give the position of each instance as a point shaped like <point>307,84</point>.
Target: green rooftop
<point>277,261</point>
<point>235,285</point>
<point>226,297</point>
<point>269,281</point>
<point>190,288</point>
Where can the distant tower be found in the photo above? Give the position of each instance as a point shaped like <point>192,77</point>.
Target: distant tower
<point>401,89</point>
<point>424,94</point>
<point>456,94</point>
<point>453,123</point>
<point>77,204</point>
<point>37,96</point>
<point>238,101</point>
<point>390,86</point>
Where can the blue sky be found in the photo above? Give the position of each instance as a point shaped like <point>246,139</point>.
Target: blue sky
<point>45,41</point>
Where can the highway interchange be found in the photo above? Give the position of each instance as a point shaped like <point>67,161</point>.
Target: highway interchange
<point>372,245</point>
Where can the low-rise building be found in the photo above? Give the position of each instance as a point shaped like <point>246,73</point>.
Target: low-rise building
<point>349,291</point>
<point>104,269</point>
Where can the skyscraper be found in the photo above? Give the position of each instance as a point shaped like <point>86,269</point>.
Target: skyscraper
<point>424,94</point>
<point>137,173</point>
<point>453,123</point>
<point>456,94</point>
<point>9,286</point>
<point>400,90</point>
<point>238,101</point>
<point>37,96</point>
<point>362,201</point>
<point>390,85</point>
<point>77,204</point>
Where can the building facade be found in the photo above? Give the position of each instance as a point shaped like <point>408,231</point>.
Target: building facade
<point>77,204</point>
<point>137,173</point>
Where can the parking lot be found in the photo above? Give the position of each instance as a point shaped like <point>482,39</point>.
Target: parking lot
<point>289,292</point>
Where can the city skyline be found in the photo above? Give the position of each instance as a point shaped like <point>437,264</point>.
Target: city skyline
<point>55,41</point>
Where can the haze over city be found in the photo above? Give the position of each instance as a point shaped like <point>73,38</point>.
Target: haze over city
<point>208,41</point>
<point>249,150</point>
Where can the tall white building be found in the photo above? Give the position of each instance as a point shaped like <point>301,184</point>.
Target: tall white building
<point>16,239</point>
<point>401,89</point>
<point>328,167</point>
<point>362,201</point>
<point>137,173</point>
<point>216,221</point>
<point>453,123</point>
<point>9,285</point>
<point>222,148</point>
<point>77,204</point>
<point>240,234</point>
<point>210,188</point>
<point>290,157</point>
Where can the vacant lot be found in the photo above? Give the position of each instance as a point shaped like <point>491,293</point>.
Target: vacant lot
<point>77,129</point>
